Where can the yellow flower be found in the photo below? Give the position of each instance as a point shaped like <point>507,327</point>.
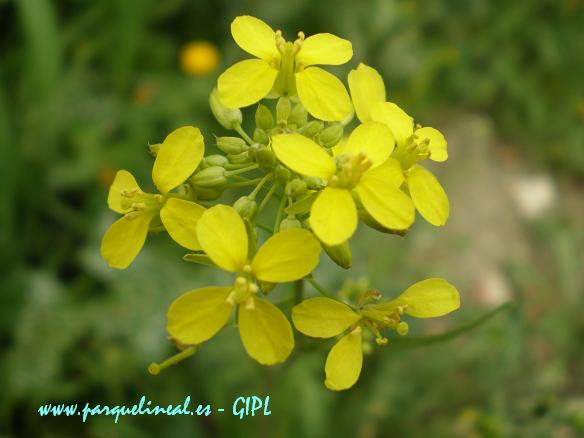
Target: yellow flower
<point>413,143</point>
<point>326,318</point>
<point>199,58</point>
<point>265,332</point>
<point>361,168</point>
<point>287,69</point>
<point>178,157</point>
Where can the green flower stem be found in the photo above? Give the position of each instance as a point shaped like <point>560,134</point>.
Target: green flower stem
<point>242,170</point>
<point>298,291</point>
<point>264,180</point>
<point>243,135</point>
<point>321,290</point>
<point>279,214</point>
<point>264,227</point>
<point>155,368</point>
<point>266,199</point>
<point>251,182</point>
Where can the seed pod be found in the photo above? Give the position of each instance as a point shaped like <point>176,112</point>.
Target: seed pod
<point>211,177</point>
<point>232,145</point>
<point>229,118</point>
<point>264,118</point>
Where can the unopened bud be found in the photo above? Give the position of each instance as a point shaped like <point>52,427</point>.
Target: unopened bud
<point>214,160</point>
<point>246,207</point>
<point>264,156</point>
<point>283,109</point>
<point>313,182</point>
<point>205,194</point>
<point>260,136</point>
<point>290,223</point>
<point>296,188</point>
<point>312,128</point>
<point>330,136</point>
<point>154,148</point>
<point>231,145</point>
<point>298,116</point>
<point>264,118</point>
<point>340,254</point>
<point>241,158</point>
<point>282,174</point>
<point>211,177</point>
<point>229,118</point>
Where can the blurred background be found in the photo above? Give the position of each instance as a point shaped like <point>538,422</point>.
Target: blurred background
<point>85,86</point>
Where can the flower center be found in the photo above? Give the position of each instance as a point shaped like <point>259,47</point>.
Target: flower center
<point>137,202</point>
<point>244,287</point>
<point>285,84</point>
<point>413,150</point>
<point>350,169</point>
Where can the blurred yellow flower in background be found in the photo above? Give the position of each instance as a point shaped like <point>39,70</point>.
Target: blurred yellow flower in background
<point>198,58</point>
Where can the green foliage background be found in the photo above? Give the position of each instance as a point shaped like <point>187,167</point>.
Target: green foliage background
<point>84,86</point>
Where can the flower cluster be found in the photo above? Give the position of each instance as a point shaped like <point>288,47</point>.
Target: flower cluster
<point>313,175</point>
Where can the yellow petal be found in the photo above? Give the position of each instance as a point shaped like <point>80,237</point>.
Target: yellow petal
<point>389,173</point>
<point>388,205</point>
<point>323,95</point>
<point>178,157</point>
<point>287,256</point>
<point>302,155</point>
<point>333,216</point>
<point>344,362</point>
<point>222,235</point>
<point>324,48</point>
<point>245,83</point>
<point>429,298</point>
<point>428,195</point>
<point>374,139</point>
<point>437,146</point>
<point>180,219</point>
<point>198,315</point>
<point>322,317</point>
<point>265,332</point>
<point>401,125</point>
<point>255,37</point>
<point>367,90</point>
<point>125,238</point>
<point>123,181</point>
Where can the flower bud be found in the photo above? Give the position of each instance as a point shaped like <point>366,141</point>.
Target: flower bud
<point>260,136</point>
<point>211,177</point>
<point>241,158</point>
<point>283,109</point>
<point>340,254</point>
<point>204,194</point>
<point>282,174</point>
<point>264,156</point>
<point>229,118</point>
<point>330,136</point>
<point>295,188</point>
<point>312,128</point>
<point>290,223</point>
<point>298,116</point>
<point>154,148</point>
<point>313,182</point>
<point>264,118</point>
<point>246,207</point>
<point>231,145</point>
<point>214,160</point>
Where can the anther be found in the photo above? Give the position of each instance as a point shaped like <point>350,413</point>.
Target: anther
<point>381,341</point>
